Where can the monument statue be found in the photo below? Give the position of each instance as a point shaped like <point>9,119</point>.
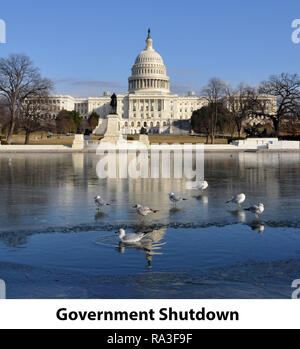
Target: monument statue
<point>143,131</point>
<point>113,104</point>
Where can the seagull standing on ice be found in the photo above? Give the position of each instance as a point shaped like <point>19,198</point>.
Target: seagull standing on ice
<point>130,238</point>
<point>100,202</point>
<point>237,199</point>
<point>256,209</point>
<point>202,185</point>
<point>174,198</point>
<point>144,210</point>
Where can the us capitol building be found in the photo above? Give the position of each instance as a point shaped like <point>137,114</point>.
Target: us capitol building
<point>148,102</point>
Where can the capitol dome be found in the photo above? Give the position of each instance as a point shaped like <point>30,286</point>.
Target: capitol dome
<point>149,74</point>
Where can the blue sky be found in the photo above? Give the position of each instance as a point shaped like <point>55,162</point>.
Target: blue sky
<point>88,47</point>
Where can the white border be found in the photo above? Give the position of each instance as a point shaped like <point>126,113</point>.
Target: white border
<point>39,314</point>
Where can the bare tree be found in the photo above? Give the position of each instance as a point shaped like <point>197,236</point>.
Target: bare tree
<point>34,115</point>
<point>243,102</point>
<point>214,92</point>
<point>19,80</point>
<point>291,123</point>
<point>286,87</point>
<point>4,116</point>
<point>201,120</point>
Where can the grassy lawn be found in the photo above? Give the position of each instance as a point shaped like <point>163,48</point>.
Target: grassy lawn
<point>170,139</point>
<point>41,139</point>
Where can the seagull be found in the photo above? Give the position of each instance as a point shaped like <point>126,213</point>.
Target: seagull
<point>202,185</point>
<point>130,238</point>
<point>144,210</point>
<point>175,198</point>
<point>256,209</point>
<point>237,199</point>
<point>100,202</point>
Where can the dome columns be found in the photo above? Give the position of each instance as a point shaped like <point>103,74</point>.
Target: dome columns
<point>148,83</point>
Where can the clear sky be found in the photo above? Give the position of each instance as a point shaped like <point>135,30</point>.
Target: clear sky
<point>88,47</point>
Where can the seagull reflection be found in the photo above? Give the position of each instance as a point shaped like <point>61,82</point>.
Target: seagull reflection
<point>150,245</point>
<point>202,198</point>
<point>14,239</point>
<point>175,210</point>
<point>259,227</point>
<point>100,215</point>
<point>239,214</point>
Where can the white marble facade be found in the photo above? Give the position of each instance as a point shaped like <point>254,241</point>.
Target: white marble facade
<point>148,102</point>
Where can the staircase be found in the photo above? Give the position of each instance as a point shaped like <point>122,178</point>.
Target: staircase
<point>101,128</point>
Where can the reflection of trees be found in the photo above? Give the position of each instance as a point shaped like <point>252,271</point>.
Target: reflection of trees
<point>263,171</point>
<point>37,184</point>
<point>26,180</point>
<point>150,245</point>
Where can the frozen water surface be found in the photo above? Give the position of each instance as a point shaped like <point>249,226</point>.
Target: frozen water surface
<point>55,244</point>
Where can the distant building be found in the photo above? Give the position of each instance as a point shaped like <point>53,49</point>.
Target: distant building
<point>148,102</point>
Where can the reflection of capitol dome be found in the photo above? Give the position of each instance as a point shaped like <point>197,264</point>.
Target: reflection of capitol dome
<point>148,73</point>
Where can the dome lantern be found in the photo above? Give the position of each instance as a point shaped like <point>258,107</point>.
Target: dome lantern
<point>149,73</point>
<point>149,41</point>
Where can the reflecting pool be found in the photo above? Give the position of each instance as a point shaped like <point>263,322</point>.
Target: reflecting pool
<point>55,244</point>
